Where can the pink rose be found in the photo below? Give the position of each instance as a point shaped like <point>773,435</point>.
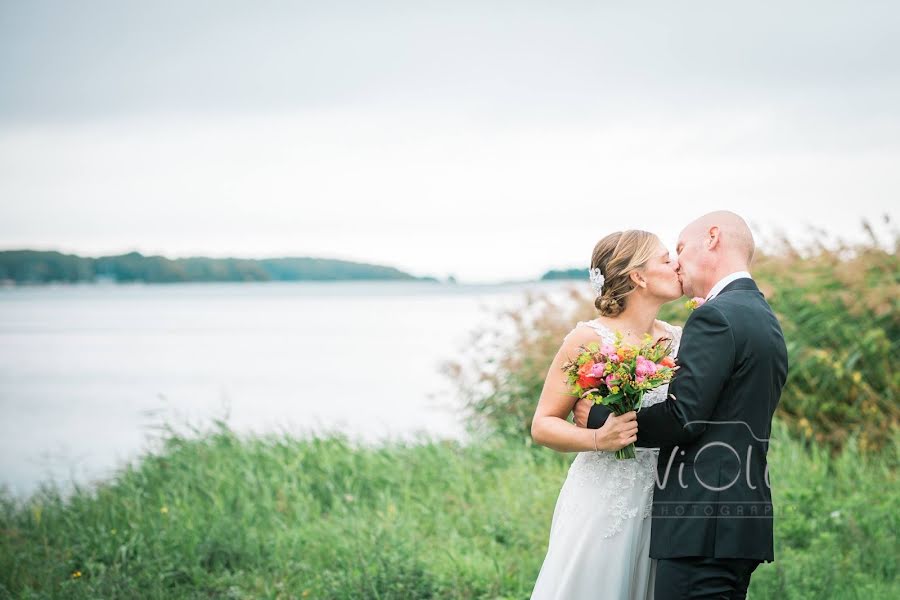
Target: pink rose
<point>612,379</point>
<point>607,350</point>
<point>598,369</point>
<point>644,367</point>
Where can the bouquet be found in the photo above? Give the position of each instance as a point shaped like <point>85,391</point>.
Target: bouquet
<point>618,375</point>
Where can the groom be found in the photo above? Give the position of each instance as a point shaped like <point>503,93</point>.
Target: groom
<point>712,506</point>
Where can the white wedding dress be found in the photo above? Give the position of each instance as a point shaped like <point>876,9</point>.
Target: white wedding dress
<point>600,533</point>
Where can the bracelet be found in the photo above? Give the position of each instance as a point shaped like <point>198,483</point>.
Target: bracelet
<point>595,441</point>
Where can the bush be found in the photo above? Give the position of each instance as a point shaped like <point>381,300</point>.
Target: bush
<point>838,304</point>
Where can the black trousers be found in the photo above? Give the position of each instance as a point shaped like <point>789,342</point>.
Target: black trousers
<point>703,577</point>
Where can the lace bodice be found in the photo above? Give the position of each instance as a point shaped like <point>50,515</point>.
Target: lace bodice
<point>619,489</point>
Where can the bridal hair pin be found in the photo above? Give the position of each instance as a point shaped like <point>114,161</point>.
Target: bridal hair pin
<point>597,280</point>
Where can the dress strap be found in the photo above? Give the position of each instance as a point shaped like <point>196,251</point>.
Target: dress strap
<point>602,330</point>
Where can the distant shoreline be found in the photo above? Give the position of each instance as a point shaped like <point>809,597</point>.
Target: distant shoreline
<point>36,268</point>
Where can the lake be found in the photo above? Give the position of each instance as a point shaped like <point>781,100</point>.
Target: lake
<point>88,372</point>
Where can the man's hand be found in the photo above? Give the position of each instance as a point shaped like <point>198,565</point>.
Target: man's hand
<point>581,411</point>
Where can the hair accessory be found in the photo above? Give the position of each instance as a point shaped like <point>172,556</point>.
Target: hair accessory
<point>597,280</point>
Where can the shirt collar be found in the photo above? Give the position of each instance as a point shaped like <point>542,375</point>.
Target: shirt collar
<point>725,281</point>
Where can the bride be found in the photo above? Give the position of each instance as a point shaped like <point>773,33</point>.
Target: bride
<point>600,531</point>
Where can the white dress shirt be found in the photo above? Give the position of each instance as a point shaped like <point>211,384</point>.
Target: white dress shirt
<point>725,281</point>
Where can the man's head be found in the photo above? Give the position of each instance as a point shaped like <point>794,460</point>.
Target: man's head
<point>710,248</point>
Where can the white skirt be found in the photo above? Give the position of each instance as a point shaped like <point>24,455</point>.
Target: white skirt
<point>600,533</point>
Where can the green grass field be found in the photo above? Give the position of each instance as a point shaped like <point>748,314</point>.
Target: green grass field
<point>216,515</point>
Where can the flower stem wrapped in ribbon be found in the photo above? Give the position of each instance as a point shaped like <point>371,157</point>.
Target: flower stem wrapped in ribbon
<point>618,375</point>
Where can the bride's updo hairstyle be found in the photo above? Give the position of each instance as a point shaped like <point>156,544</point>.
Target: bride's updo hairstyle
<point>617,255</point>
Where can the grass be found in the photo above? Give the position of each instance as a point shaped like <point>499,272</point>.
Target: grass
<point>217,515</point>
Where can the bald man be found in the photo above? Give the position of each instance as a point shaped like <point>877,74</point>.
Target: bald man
<point>712,506</point>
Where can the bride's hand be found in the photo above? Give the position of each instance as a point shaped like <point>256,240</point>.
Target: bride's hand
<point>617,432</point>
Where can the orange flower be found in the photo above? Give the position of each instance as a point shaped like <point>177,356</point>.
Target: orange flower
<point>668,362</point>
<point>585,380</point>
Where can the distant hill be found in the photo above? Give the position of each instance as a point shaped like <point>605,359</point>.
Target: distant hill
<point>37,266</point>
<point>565,274</point>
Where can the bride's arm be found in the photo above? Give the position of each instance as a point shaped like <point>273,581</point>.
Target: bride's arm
<point>549,426</point>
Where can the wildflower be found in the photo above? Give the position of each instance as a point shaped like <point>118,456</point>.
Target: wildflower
<point>625,353</point>
<point>76,574</point>
<point>164,510</point>
<point>695,302</point>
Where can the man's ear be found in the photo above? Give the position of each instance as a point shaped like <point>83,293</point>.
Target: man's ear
<point>713,240</point>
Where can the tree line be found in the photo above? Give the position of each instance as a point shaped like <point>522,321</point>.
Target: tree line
<point>37,267</point>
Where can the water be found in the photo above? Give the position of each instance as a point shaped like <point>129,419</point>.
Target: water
<point>86,372</point>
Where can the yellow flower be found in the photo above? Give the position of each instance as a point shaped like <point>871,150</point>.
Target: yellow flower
<point>694,303</point>
<point>857,376</point>
<point>76,574</point>
<point>164,510</point>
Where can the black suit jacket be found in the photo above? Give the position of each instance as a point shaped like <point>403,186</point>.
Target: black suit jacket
<point>712,496</point>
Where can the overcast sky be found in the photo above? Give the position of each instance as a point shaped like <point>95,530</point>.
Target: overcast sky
<point>490,140</point>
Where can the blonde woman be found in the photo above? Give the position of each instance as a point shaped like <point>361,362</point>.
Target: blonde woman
<point>600,531</point>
